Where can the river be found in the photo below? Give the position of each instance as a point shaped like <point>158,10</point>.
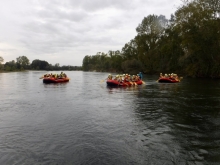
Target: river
<point>84,122</point>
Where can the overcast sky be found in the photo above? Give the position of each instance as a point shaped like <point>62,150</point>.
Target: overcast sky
<point>65,31</point>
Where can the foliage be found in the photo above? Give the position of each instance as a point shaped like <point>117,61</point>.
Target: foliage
<point>103,62</point>
<point>1,61</point>
<point>187,43</point>
<point>22,62</point>
<point>39,65</point>
<point>200,38</point>
<point>131,66</point>
<point>10,66</point>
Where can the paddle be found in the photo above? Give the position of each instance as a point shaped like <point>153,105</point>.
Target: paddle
<point>133,83</point>
<point>101,81</point>
<point>143,82</point>
<point>180,78</point>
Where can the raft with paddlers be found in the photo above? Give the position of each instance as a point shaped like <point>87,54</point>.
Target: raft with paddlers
<point>55,80</point>
<point>168,80</point>
<point>125,80</point>
<point>123,83</point>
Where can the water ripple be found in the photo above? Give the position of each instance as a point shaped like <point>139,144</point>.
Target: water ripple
<point>85,122</point>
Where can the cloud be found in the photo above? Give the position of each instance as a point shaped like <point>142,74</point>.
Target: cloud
<point>65,31</point>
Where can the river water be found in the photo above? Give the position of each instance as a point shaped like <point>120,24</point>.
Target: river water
<point>83,122</point>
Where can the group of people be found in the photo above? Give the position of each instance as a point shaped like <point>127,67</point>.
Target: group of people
<point>126,77</point>
<point>171,76</point>
<point>56,76</point>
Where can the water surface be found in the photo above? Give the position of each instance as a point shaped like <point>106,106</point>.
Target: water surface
<point>85,122</point>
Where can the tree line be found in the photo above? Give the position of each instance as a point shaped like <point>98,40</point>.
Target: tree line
<point>23,63</point>
<point>188,43</point>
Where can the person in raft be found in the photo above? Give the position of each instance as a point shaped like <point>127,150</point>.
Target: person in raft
<point>109,77</point>
<point>161,76</point>
<point>63,75</point>
<point>140,75</point>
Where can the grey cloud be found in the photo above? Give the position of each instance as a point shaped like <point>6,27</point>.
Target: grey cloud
<point>79,27</point>
<point>92,5</point>
<point>58,14</point>
<point>35,28</point>
<point>7,50</point>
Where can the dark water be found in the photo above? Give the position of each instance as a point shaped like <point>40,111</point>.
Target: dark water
<point>83,122</point>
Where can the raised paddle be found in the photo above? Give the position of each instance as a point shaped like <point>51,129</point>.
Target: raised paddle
<point>178,79</point>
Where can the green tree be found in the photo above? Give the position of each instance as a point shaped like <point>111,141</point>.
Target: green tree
<point>10,66</point>
<point>22,62</point>
<point>85,64</point>
<point>199,29</point>
<point>213,5</point>
<point>1,61</point>
<point>39,65</point>
<point>149,33</point>
<point>168,52</point>
<point>129,51</point>
<point>115,60</point>
<point>57,66</point>
<point>131,66</point>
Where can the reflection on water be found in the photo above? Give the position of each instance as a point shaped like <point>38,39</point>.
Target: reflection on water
<point>86,122</point>
<point>125,89</point>
<point>55,85</point>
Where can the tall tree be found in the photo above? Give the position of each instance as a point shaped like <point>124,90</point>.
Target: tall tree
<point>22,62</point>
<point>129,51</point>
<point>199,30</point>
<point>39,64</point>
<point>149,33</point>
<point>1,61</point>
<point>10,66</point>
<point>115,60</point>
<point>214,5</point>
<point>85,63</point>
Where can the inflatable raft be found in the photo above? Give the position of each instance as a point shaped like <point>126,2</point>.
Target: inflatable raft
<point>54,80</point>
<point>124,83</point>
<point>168,80</point>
